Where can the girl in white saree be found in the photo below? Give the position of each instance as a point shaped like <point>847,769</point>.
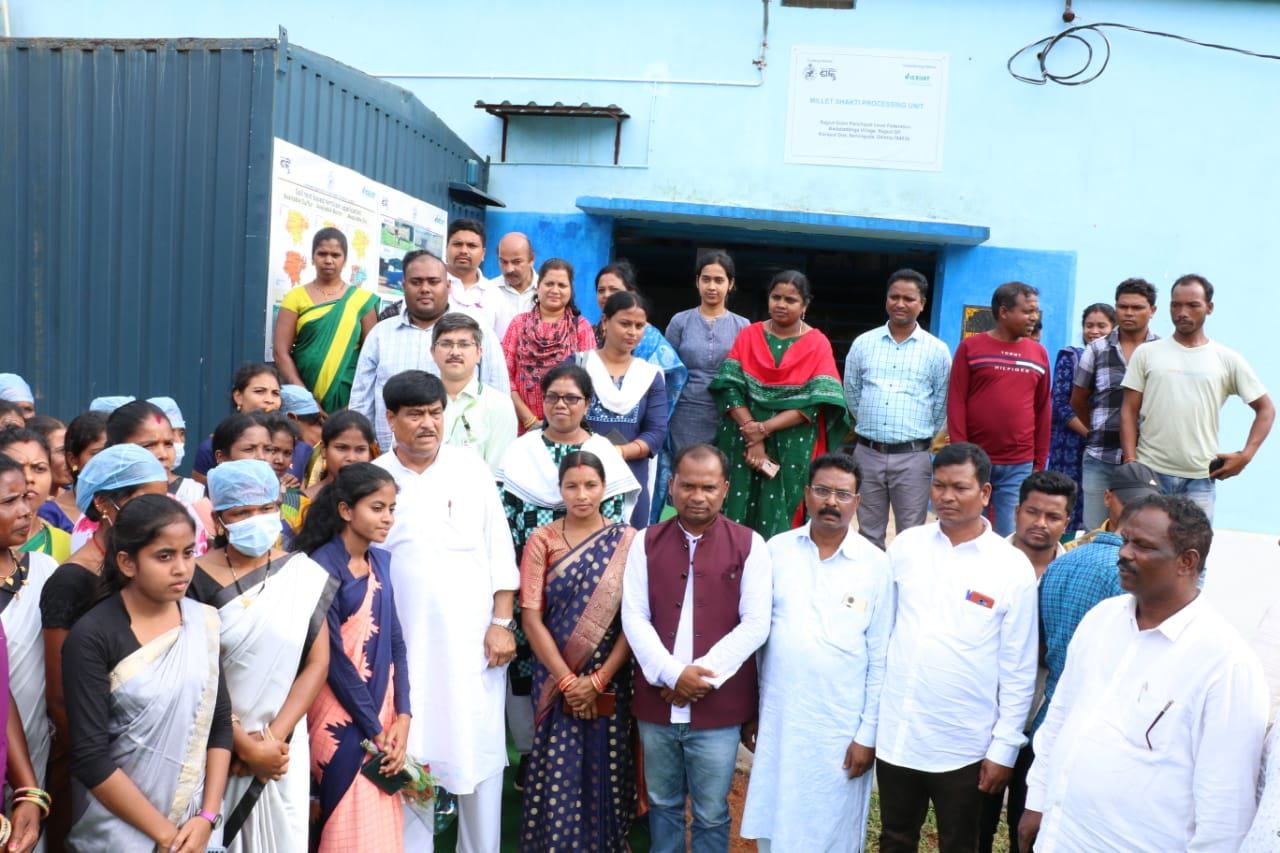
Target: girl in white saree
<point>275,656</point>
<point>148,711</point>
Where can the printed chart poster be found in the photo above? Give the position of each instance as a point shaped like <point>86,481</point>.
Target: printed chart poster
<point>308,193</point>
<point>872,108</point>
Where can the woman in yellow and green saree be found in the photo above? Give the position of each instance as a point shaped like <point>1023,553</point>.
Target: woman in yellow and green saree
<point>321,325</point>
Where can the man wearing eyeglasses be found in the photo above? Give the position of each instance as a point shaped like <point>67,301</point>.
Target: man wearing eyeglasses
<point>820,676</point>
<point>478,416</point>
<point>1154,737</point>
<point>402,341</point>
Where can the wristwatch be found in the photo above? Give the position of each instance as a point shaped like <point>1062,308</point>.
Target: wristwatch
<point>215,820</point>
<point>509,624</point>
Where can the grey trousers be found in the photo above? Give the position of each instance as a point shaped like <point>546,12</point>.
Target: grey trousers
<point>900,480</point>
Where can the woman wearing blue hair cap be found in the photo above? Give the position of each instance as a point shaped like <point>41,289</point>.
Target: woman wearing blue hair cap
<point>16,390</point>
<point>275,655</point>
<point>107,482</point>
<point>171,411</point>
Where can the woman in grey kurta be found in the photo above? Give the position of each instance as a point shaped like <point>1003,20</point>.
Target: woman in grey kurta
<point>703,337</point>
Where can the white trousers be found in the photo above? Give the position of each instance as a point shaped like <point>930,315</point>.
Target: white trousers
<point>479,822</point>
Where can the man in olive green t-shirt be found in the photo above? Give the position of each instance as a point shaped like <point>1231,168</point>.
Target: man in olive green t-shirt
<point>1174,391</point>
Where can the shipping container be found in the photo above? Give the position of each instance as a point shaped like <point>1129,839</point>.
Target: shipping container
<point>135,182</point>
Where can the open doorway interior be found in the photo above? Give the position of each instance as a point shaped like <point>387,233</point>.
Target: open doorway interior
<point>848,282</point>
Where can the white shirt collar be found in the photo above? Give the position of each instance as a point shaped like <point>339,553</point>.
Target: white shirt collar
<point>849,547</point>
<point>1175,625</point>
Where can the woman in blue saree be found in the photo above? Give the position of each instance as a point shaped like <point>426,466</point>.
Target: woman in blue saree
<point>580,790</point>
<point>658,351</point>
<point>367,693</point>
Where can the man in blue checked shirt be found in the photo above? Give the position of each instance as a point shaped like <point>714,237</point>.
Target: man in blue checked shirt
<point>895,384</point>
<point>1086,575</point>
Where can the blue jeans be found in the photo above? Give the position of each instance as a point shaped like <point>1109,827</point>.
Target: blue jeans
<point>1201,490</point>
<point>1095,478</point>
<point>680,761</point>
<point>1005,482</point>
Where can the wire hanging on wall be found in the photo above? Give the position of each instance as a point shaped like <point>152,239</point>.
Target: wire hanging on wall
<point>1099,48</point>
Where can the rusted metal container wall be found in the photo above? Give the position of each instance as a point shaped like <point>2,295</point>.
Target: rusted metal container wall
<point>135,185</point>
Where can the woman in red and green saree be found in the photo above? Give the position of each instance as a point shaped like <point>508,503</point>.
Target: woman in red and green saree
<point>580,790</point>
<point>321,325</point>
<point>783,406</point>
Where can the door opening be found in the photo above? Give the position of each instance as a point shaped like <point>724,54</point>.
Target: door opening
<point>848,284</point>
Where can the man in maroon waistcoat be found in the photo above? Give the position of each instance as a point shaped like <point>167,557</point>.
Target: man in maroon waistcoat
<point>696,604</point>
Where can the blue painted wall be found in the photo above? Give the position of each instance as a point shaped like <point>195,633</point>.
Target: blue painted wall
<point>1160,167</point>
<point>582,240</point>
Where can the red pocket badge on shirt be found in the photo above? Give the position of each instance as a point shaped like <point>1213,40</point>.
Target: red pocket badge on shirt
<point>980,598</point>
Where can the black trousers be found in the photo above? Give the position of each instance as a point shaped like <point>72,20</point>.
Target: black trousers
<point>904,803</point>
<point>1017,805</point>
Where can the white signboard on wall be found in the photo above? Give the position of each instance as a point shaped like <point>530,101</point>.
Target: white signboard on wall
<point>308,193</point>
<point>874,108</point>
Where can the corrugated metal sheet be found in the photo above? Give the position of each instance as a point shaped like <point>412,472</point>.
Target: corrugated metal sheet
<point>134,193</point>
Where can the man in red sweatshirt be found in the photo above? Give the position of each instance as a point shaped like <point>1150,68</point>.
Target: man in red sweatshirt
<point>999,397</point>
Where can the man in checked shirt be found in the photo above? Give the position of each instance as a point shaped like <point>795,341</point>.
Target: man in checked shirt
<point>895,384</point>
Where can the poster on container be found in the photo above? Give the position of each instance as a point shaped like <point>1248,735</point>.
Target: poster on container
<point>308,193</point>
<point>876,109</point>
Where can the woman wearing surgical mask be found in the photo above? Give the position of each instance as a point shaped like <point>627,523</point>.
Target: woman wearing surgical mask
<point>275,655</point>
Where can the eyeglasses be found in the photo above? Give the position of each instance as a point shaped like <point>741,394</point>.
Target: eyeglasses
<point>842,497</point>
<point>450,346</point>
<point>569,400</point>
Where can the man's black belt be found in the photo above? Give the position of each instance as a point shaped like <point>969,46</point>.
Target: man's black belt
<point>902,447</point>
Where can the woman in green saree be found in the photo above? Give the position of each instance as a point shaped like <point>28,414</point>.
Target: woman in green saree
<point>321,325</point>
<point>783,406</point>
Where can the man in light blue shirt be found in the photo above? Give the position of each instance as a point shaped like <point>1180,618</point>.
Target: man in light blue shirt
<point>403,342</point>
<point>895,384</point>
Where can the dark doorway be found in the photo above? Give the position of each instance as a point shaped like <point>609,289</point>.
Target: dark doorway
<point>848,285</point>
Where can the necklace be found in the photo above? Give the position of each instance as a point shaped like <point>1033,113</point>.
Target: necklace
<point>17,577</point>
<point>235,578</point>
<point>564,531</point>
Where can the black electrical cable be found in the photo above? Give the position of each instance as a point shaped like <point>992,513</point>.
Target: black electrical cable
<point>1083,74</point>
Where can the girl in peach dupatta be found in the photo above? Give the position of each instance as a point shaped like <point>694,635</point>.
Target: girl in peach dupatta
<point>580,791</point>
<point>367,693</point>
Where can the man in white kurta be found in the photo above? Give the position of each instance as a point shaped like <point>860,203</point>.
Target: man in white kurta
<point>1153,740</point>
<point>821,673</point>
<point>454,572</point>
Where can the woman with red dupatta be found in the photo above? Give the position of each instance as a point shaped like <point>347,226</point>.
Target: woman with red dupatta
<point>580,792</point>
<point>783,406</point>
<point>549,334</point>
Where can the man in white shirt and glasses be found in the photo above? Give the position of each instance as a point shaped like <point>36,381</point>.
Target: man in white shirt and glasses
<point>478,416</point>
<point>962,663</point>
<point>1154,737</point>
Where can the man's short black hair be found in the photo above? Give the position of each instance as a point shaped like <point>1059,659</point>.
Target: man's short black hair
<point>456,321</point>
<point>413,388</point>
<point>916,278</point>
<point>839,461</point>
<point>1189,527</point>
<point>1049,483</point>
<point>1006,296</point>
<point>472,225</point>
<point>1193,278</point>
<point>698,451</point>
<point>965,453</point>
<point>1138,287</point>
